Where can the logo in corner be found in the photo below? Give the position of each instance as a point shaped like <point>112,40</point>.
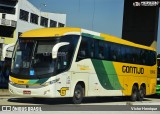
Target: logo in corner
<point>63,90</point>
<point>136,4</point>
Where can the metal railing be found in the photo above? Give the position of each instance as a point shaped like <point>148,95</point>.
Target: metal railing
<point>7,22</point>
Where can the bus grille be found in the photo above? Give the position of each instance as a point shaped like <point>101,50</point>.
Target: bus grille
<point>27,86</point>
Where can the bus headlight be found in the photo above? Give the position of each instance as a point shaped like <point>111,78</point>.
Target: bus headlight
<point>10,82</point>
<point>158,79</point>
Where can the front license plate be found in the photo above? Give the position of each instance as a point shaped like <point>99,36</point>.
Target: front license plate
<point>26,92</point>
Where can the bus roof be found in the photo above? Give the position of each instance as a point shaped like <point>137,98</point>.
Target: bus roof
<point>49,32</point>
<point>56,32</point>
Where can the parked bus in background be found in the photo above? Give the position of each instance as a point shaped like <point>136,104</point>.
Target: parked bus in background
<point>78,63</point>
<point>158,76</point>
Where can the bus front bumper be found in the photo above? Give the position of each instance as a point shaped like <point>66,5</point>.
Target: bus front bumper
<point>47,91</point>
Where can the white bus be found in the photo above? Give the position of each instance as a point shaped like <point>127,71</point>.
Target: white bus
<point>77,63</point>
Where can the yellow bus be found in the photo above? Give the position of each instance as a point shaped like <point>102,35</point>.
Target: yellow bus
<point>78,63</point>
<point>158,75</point>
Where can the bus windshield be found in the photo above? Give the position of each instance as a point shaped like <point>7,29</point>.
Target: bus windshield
<point>33,57</point>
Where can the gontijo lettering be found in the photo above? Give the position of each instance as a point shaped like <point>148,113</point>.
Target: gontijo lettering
<point>132,69</point>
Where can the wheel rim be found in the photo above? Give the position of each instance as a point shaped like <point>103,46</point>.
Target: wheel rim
<point>135,94</point>
<point>142,93</point>
<point>77,94</point>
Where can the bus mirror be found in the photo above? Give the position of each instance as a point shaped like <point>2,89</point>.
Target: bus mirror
<point>56,48</point>
<point>4,51</point>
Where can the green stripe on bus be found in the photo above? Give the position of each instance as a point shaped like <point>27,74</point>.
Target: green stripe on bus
<point>87,35</point>
<point>32,81</point>
<point>37,81</point>
<point>92,36</point>
<point>102,74</point>
<point>41,81</point>
<point>98,37</point>
<point>112,75</point>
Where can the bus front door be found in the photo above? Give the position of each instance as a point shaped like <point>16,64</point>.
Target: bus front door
<point>63,85</point>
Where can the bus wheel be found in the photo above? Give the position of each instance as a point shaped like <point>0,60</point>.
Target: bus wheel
<point>78,94</point>
<point>141,93</point>
<point>134,94</point>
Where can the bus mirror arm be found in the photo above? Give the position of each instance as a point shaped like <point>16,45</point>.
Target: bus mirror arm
<point>56,48</point>
<point>4,51</point>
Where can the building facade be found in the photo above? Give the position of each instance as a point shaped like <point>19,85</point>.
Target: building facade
<point>16,17</point>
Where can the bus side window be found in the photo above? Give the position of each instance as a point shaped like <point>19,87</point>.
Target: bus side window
<point>119,55</point>
<point>122,54</point>
<point>147,57</point>
<point>152,57</point>
<point>142,60</point>
<point>132,57</point>
<point>128,55</point>
<point>63,58</point>
<point>101,50</point>
<point>107,50</point>
<point>96,49</point>
<point>136,55</point>
<point>113,52</point>
<point>91,48</point>
<point>66,53</point>
<point>83,49</point>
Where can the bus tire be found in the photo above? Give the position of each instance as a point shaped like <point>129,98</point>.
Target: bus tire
<point>78,94</point>
<point>141,93</point>
<point>134,94</point>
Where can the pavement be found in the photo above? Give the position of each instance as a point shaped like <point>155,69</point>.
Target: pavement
<point>61,106</point>
<point>4,92</point>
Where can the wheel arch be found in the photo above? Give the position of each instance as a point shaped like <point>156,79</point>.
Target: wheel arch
<point>82,83</point>
<point>134,92</point>
<point>134,84</point>
<point>79,92</point>
<point>143,85</point>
